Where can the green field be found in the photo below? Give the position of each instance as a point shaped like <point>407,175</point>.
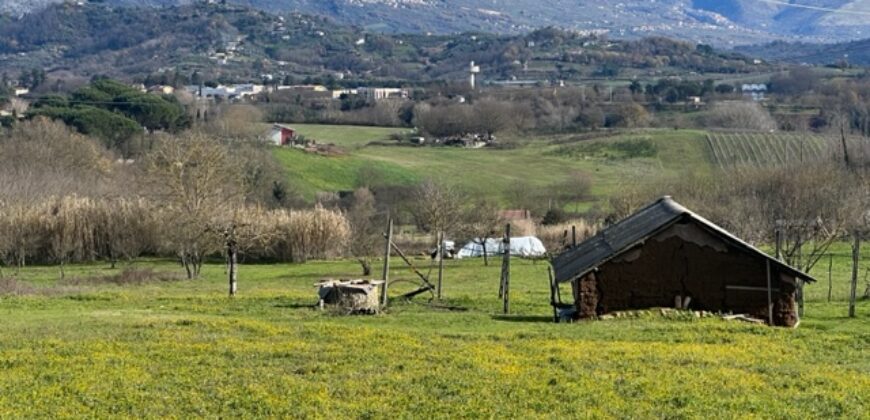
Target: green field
<point>490,172</point>
<point>183,349</point>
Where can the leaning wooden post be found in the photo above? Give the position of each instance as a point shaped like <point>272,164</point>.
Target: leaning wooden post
<point>440,262</point>
<point>386,274</point>
<point>506,270</point>
<point>856,254</point>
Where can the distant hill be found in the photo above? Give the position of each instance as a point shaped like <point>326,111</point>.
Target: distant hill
<point>855,52</point>
<point>225,42</point>
<point>718,22</point>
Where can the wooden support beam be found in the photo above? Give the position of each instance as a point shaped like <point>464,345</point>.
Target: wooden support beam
<point>411,265</point>
<point>386,274</point>
<point>420,291</point>
<point>752,289</point>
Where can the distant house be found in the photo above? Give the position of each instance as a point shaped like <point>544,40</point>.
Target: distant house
<point>230,92</point>
<point>667,256</point>
<point>282,135</point>
<point>756,92</point>
<point>377,94</point>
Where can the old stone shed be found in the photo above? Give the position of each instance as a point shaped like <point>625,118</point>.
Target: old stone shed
<point>665,256</point>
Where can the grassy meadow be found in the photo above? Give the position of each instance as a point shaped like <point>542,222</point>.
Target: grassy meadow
<point>539,162</point>
<point>84,347</point>
<point>145,343</point>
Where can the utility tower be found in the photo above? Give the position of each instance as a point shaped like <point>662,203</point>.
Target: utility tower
<point>473,70</point>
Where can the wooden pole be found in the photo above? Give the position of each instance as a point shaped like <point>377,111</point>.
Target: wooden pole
<point>856,254</point>
<point>800,283</point>
<point>386,274</point>
<point>440,262</point>
<point>830,277</point>
<point>506,270</point>
<point>778,235</point>
<point>553,300</point>
<point>233,271</point>
<point>769,296</point>
<point>573,236</point>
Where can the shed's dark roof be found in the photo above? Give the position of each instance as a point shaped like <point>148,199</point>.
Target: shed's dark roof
<point>637,228</point>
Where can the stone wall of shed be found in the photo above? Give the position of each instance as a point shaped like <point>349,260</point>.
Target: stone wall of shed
<point>670,265</point>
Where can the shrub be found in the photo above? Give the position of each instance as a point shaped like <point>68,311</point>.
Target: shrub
<point>554,216</point>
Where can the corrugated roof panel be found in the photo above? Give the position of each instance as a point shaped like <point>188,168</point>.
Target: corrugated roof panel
<point>635,229</point>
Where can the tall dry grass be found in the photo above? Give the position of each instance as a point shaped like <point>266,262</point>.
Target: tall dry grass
<point>294,235</point>
<point>558,237</point>
<point>61,230</point>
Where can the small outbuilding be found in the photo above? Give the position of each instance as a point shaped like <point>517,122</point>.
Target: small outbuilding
<point>282,135</point>
<point>667,256</point>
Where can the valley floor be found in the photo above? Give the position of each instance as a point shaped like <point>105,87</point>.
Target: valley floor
<point>80,348</point>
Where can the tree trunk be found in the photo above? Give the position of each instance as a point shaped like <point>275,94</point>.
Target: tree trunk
<point>185,262</point>
<point>485,256</point>
<point>845,147</point>
<point>366,266</point>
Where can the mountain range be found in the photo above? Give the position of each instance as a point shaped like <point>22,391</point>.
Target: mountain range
<point>718,22</point>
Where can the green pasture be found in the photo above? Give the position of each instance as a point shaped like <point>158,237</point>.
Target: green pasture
<point>491,172</point>
<point>180,349</point>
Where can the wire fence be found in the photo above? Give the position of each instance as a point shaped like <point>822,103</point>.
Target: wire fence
<point>833,273</point>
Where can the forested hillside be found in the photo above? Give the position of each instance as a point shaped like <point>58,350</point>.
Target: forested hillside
<point>720,22</point>
<point>240,43</point>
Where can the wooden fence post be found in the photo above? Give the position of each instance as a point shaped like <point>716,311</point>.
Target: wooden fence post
<point>856,255</point>
<point>386,274</point>
<point>830,276</point>
<point>440,263</point>
<point>573,236</point>
<point>506,270</point>
<point>769,296</point>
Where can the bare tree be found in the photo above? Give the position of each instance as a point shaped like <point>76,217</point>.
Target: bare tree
<point>195,181</point>
<point>364,232</point>
<point>437,207</point>
<point>237,121</point>
<point>491,116</point>
<point>740,115</point>
<point>481,221</point>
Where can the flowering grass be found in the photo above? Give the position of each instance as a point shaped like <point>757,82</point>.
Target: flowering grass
<point>183,349</point>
